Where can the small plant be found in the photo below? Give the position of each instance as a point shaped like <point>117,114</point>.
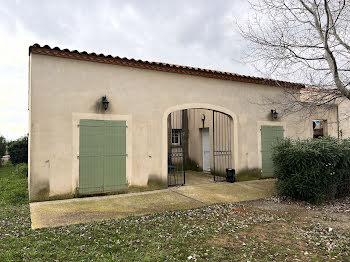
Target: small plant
<point>20,170</point>
<point>314,170</point>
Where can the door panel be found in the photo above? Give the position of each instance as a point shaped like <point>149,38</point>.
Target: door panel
<point>115,156</point>
<point>102,156</point>
<point>90,156</point>
<point>269,137</point>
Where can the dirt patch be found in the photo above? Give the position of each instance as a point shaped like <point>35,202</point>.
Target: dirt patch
<point>327,215</point>
<point>278,240</point>
<point>341,205</point>
<point>280,231</point>
<point>293,232</point>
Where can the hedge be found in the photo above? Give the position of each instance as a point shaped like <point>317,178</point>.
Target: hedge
<point>314,170</point>
<point>18,150</point>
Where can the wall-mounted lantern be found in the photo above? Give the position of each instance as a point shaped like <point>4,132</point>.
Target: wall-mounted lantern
<point>274,114</point>
<point>203,119</point>
<point>105,102</point>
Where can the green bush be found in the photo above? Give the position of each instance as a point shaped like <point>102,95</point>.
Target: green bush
<point>313,170</point>
<point>18,150</point>
<point>20,170</point>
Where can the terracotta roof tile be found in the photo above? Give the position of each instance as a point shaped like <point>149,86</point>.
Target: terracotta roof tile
<point>159,66</point>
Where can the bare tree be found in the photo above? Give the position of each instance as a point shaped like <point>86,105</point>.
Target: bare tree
<point>304,41</point>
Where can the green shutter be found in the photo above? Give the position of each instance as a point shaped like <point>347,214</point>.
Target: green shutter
<point>114,155</point>
<point>269,136</point>
<point>102,156</point>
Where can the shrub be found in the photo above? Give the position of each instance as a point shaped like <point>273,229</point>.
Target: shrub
<point>18,150</point>
<point>20,170</point>
<point>314,170</point>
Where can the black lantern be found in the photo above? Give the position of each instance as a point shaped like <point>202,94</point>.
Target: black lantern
<point>105,102</point>
<point>274,114</point>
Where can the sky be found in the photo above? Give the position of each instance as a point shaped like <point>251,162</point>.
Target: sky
<point>199,33</point>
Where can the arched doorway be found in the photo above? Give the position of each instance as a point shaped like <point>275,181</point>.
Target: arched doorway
<point>201,139</point>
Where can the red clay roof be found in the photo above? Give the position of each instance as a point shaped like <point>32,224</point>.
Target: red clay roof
<point>158,66</point>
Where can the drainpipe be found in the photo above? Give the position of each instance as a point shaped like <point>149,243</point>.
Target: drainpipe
<point>338,120</point>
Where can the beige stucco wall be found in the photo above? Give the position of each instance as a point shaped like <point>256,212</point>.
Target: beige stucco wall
<point>63,90</point>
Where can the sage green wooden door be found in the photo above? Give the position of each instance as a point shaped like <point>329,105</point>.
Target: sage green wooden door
<point>269,136</point>
<point>102,156</point>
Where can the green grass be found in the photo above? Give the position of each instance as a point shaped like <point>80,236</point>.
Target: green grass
<point>13,186</point>
<point>223,232</point>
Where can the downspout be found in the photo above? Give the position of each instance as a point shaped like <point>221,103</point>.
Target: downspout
<point>338,120</point>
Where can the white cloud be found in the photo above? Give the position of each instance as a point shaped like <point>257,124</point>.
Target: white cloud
<point>197,33</point>
<point>14,82</point>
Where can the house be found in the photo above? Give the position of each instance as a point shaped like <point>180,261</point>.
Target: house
<point>100,123</point>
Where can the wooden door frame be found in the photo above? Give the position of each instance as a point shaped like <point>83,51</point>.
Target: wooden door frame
<point>75,143</point>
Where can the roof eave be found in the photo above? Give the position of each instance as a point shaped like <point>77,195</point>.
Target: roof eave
<point>164,67</point>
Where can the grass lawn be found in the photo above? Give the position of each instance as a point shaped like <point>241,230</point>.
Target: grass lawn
<point>225,232</point>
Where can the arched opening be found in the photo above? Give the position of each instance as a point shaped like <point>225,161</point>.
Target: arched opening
<point>200,144</point>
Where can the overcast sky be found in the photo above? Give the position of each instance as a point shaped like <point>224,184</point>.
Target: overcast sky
<point>195,33</point>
